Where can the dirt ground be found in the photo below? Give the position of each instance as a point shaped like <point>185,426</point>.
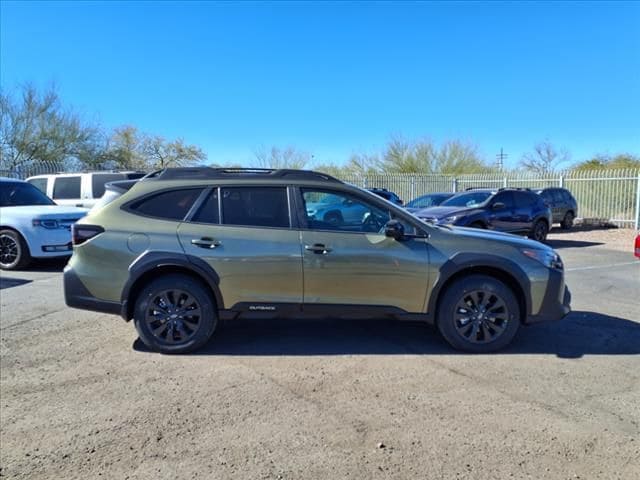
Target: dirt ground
<point>80,397</point>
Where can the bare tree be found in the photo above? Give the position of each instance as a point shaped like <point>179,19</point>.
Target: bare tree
<point>545,158</point>
<point>160,154</point>
<point>35,127</point>
<point>288,157</point>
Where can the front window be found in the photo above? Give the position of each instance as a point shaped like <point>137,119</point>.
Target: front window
<point>18,194</point>
<point>66,188</point>
<point>469,199</point>
<point>427,201</point>
<point>342,212</point>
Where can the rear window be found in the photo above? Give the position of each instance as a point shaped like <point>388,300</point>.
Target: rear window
<point>66,188</point>
<point>255,206</point>
<point>557,196</point>
<point>39,183</point>
<point>209,212</point>
<point>168,205</point>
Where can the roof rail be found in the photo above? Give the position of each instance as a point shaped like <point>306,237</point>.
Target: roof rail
<point>205,173</point>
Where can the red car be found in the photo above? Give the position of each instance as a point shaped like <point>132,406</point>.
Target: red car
<point>637,250</point>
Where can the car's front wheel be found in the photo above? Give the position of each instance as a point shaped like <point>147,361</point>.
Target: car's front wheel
<point>478,314</point>
<point>14,252</point>
<point>175,314</point>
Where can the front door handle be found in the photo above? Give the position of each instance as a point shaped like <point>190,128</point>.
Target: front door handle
<point>206,242</point>
<point>318,248</point>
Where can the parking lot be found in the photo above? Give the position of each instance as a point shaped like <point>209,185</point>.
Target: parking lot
<point>82,398</point>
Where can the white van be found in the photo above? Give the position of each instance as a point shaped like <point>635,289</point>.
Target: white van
<point>79,189</point>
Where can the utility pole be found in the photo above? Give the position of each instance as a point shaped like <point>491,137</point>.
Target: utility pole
<point>500,157</point>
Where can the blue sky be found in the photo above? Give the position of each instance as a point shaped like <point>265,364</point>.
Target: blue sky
<point>338,78</point>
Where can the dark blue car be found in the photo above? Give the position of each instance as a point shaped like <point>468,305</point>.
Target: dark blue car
<point>505,210</point>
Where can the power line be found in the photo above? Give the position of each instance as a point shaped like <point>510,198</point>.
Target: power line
<point>500,158</point>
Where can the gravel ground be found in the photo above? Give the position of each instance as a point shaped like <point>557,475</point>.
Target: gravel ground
<point>81,398</point>
<point>614,238</point>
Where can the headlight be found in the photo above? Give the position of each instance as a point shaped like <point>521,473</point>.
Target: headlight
<point>548,258</point>
<point>51,224</point>
<point>447,220</point>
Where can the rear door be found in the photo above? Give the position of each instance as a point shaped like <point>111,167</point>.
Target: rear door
<point>246,235</point>
<point>524,202</point>
<point>350,265</point>
<point>504,219</point>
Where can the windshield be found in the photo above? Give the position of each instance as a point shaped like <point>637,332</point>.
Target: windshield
<point>470,199</point>
<point>16,194</point>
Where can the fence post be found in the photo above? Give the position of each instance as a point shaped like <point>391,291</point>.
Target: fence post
<point>455,185</point>
<point>413,187</point>
<point>364,181</point>
<point>561,181</point>
<point>504,182</point>
<point>638,204</point>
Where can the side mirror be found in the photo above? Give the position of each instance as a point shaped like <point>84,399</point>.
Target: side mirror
<point>498,206</point>
<point>394,229</point>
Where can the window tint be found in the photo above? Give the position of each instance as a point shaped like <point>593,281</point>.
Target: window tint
<point>523,200</point>
<point>99,180</point>
<point>39,183</point>
<point>557,196</point>
<point>169,205</point>
<point>13,194</point>
<point>506,198</point>
<point>343,212</point>
<point>546,195</point>
<point>467,199</point>
<point>208,211</point>
<point>66,188</point>
<point>255,206</point>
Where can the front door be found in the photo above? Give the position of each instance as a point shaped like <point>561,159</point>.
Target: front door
<point>348,261</point>
<point>504,219</point>
<point>245,235</point>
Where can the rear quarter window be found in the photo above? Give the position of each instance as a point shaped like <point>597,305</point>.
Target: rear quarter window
<point>66,188</point>
<point>167,205</point>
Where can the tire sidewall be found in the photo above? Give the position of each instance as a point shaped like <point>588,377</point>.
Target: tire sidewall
<point>208,319</point>
<point>446,310</point>
<point>23,251</point>
<point>535,229</point>
<point>567,221</point>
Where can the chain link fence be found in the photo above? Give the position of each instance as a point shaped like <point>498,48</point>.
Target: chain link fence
<point>605,195</point>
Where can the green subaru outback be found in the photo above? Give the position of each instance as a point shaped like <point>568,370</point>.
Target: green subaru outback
<point>184,248</point>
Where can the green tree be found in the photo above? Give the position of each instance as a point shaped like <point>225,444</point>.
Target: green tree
<point>159,153</point>
<point>601,162</point>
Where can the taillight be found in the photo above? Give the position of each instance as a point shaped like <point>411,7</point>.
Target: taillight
<point>82,233</point>
<point>637,246</point>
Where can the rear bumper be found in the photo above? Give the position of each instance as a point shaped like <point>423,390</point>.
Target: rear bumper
<point>76,295</point>
<point>556,303</point>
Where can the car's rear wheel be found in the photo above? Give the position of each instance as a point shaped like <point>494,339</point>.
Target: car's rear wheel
<point>539,231</point>
<point>478,314</point>
<point>567,221</point>
<point>175,314</point>
<point>14,252</point>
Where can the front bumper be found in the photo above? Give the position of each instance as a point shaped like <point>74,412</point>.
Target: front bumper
<point>556,303</point>
<point>76,295</point>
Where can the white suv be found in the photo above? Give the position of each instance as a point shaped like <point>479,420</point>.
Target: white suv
<point>79,189</point>
<point>32,225</point>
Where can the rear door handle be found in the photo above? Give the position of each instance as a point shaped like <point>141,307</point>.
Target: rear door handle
<point>206,242</point>
<point>318,248</point>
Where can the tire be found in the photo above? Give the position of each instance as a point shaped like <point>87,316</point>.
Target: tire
<point>463,316</point>
<point>14,251</point>
<point>539,231</point>
<point>567,221</point>
<point>183,331</point>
